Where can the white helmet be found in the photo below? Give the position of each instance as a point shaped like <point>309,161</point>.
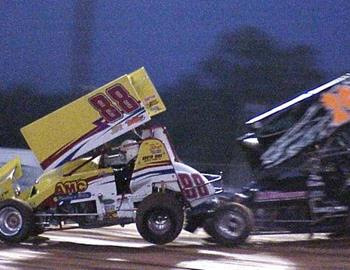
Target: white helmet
<point>129,148</point>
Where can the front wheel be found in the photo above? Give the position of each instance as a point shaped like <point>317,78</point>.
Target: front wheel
<point>231,224</point>
<point>159,218</point>
<point>16,221</point>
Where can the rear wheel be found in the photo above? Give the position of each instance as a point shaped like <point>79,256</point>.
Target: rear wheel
<point>208,226</point>
<point>231,224</point>
<point>159,218</point>
<point>37,230</point>
<point>16,219</point>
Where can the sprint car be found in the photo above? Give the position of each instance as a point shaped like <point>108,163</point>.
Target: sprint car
<point>299,153</point>
<point>92,183</point>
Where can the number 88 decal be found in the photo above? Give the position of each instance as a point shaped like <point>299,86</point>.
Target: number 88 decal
<point>193,185</point>
<point>114,103</point>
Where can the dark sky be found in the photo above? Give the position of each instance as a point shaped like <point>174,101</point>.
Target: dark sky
<point>167,37</point>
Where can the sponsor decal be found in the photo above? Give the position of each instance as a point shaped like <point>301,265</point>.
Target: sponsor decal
<point>135,120</point>
<point>155,149</point>
<point>151,158</point>
<point>156,153</point>
<point>153,102</point>
<point>155,109</point>
<point>152,153</point>
<point>77,196</point>
<point>110,211</point>
<point>70,187</point>
<point>149,99</point>
<point>108,201</point>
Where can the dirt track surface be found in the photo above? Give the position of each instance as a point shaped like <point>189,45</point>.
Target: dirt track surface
<point>123,248</point>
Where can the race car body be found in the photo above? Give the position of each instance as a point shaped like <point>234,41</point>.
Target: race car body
<point>93,183</point>
<point>94,119</point>
<point>299,154</point>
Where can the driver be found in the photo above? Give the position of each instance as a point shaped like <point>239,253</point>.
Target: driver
<point>128,150</point>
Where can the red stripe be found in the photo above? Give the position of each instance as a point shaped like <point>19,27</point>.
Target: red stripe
<point>64,149</point>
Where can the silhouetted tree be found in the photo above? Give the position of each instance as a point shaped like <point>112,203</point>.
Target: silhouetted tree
<point>208,108</point>
<point>249,65</point>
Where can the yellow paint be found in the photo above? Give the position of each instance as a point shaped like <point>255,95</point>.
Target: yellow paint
<point>55,130</point>
<point>152,153</point>
<point>147,92</point>
<point>60,128</point>
<point>14,164</point>
<point>9,173</point>
<point>70,187</point>
<point>47,183</point>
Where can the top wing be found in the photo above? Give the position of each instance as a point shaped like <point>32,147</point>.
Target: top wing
<point>147,92</point>
<point>299,99</point>
<point>92,120</point>
<point>317,122</point>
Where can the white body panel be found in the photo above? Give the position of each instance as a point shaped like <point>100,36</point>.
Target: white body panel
<point>104,191</point>
<point>201,188</point>
<point>160,174</point>
<point>176,176</point>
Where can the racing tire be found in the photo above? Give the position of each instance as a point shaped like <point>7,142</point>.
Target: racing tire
<point>231,224</point>
<point>208,226</point>
<point>159,218</point>
<point>36,230</point>
<point>16,221</point>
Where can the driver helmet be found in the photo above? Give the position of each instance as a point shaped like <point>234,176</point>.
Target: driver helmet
<point>129,148</point>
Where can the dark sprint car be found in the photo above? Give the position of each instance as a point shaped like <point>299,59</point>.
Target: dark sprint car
<point>299,153</point>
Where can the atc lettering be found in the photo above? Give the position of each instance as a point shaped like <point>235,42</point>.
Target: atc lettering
<point>70,187</point>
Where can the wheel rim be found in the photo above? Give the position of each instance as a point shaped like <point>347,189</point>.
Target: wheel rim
<point>159,222</point>
<point>230,224</point>
<point>10,221</point>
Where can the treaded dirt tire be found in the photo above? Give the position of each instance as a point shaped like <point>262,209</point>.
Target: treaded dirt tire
<point>36,230</point>
<point>16,221</point>
<point>208,226</point>
<point>231,224</point>
<point>159,218</point>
